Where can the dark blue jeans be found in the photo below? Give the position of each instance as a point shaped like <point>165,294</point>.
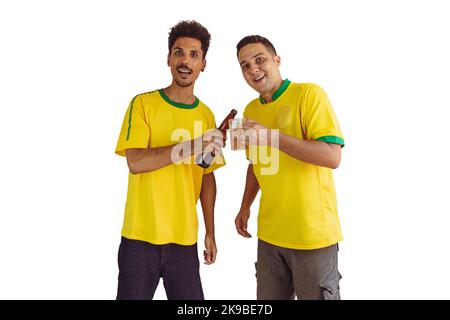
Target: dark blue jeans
<point>141,264</point>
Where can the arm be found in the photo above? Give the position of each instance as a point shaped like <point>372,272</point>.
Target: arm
<point>311,151</point>
<point>315,152</point>
<point>208,199</point>
<point>150,159</point>
<point>250,192</point>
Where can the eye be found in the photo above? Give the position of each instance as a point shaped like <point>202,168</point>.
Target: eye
<point>178,52</point>
<point>245,67</point>
<point>195,54</point>
<point>260,60</point>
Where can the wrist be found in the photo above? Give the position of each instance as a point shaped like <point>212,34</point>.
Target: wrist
<point>244,209</point>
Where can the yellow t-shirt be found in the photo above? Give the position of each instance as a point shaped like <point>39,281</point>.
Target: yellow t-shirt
<point>298,201</point>
<point>161,204</point>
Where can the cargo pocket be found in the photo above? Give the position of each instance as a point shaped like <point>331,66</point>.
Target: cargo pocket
<point>330,289</point>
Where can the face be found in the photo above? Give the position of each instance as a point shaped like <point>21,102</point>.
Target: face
<point>260,67</point>
<point>186,61</point>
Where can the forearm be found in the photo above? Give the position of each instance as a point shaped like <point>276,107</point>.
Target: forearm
<point>251,188</point>
<point>208,200</point>
<point>150,159</point>
<point>311,151</point>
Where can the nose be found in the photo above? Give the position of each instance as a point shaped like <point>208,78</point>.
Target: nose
<point>185,59</point>
<point>254,69</point>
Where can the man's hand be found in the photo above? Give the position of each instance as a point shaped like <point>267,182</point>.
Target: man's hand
<point>256,132</point>
<point>211,250</point>
<point>241,222</point>
<point>211,141</point>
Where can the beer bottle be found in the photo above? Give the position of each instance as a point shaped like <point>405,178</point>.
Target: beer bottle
<point>204,161</point>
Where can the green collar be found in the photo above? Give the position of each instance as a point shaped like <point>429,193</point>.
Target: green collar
<point>277,93</point>
<point>176,104</point>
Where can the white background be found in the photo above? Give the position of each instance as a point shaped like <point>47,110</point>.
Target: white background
<point>68,70</point>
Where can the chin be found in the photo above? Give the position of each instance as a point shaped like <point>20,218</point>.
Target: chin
<point>260,89</point>
<point>184,84</point>
<point>254,86</point>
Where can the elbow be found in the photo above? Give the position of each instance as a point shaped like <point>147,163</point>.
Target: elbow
<point>138,168</point>
<point>134,172</point>
<point>133,168</point>
<point>335,163</point>
<point>334,157</point>
<point>134,161</point>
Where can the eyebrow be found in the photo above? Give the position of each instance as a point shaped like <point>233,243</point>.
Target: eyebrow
<point>256,55</point>
<point>193,50</point>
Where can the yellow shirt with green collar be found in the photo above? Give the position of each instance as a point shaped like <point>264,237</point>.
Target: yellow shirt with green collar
<point>298,208</point>
<point>161,204</point>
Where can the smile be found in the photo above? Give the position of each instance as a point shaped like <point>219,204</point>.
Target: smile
<point>259,78</point>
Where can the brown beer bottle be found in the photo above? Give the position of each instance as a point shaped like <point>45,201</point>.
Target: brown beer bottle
<point>204,161</point>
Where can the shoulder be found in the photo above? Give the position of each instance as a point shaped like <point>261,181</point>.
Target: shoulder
<point>310,89</point>
<point>205,113</point>
<point>147,101</point>
<point>250,106</point>
<point>148,95</point>
<point>310,94</point>
<point>205,109</point>
<point>253,102</point>
<point>143,97</point>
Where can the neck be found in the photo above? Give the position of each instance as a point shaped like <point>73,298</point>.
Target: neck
<point>268,94</point>
<point>180,94</point>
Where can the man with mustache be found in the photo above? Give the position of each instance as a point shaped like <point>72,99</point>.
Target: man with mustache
<point>298,224</point>
<point>159,235</point>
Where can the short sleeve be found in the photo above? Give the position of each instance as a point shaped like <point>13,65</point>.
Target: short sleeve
<point>135,132</point>
<point>318,117</point>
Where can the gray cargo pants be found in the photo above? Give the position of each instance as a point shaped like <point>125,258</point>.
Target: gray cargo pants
<point>283,273</point>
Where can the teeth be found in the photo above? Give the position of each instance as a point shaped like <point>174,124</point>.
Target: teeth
<point>259,78</point>
<point>183,70</point>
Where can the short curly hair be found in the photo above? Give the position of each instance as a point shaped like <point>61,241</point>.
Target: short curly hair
<point>256,39</point>
<point>190,29</point>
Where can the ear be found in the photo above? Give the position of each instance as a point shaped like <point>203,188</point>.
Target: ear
<point>277,60</point>
<point>168,60</point>
<point>204,66</point>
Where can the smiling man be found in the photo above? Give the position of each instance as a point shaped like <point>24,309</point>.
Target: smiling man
<point>159,235</point>
<point>298,224</point>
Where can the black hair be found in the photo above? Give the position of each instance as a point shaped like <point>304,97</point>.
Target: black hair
<point>256,39</point>
<point>190,29</point>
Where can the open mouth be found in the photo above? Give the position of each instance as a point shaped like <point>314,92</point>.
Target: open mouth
<point>259,78</point>
<point>184,70</point>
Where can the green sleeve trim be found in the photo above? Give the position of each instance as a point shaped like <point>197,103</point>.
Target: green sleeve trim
<point>332,139</point>
<point>129,118</point>
<point>179,105</point>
